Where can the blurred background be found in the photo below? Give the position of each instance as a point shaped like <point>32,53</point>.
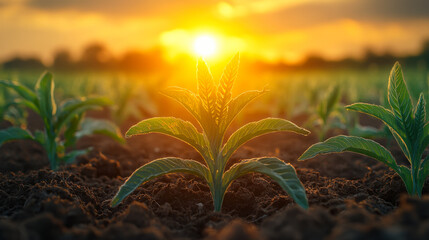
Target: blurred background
<point>300,49</point>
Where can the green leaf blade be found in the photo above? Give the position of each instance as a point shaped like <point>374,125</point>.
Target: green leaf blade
<point>237,104</point>
<point>254,129</point>
<point>174,127</point>
<point>327,105</point>
<point>22,90</point>
<point>379,112</point>
<point>399,98</point>
<point>224,90</point>
<point>406,177</point>
<point>71,156</point>
<point>420,117</point>
<point>284,174</point>
<point>45,93</point>
<point>187,98</point>
<point>206,87</point>
<point>424,142</point>
<point>158,168</point>
<point>359,145</point>
<point>73,107</point>
<point>14,133</point>
<point>91,126</point>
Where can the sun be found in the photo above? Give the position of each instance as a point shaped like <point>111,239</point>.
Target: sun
<point>205,45</point>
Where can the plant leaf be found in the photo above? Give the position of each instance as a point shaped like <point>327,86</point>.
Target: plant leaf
<point>206,87</point>
<point>420,117</point>
<point>399,99</point>
<point>30,98</point>
<point>91,126</point>
<point>185,97</point>
<point>225,88</point>
<point>425,139</point>
<point>237,104</point>
<point>254,129</point>
<point>401,143</point>
<point>45,93</point>
<point>379,112</point>
<point>406,176</point>
<point>333,98</point>
<point>70,132</point>
<point>22,90</point>
<point>40,137</point>
<point>387,116</point>
<point>423,172</point>
<point>71,156</point>
<point>283,173</point>
<point>14,133</point>
<point>74,107</point>
<point>175,127</point>
<point>359,145</point>
<point>158,168</point>
<point>326,106</point>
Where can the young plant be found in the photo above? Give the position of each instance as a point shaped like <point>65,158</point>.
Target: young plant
<point>62,121</point>
<point>132,100</point>
<point>214,108</point>
<point>408,126</point>
<point>323,117</point>
<point>11,109</point>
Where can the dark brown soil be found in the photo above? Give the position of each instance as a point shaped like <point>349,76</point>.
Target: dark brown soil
<point>351,196</point>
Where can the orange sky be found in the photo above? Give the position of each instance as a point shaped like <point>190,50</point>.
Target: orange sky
<point>274,30</point>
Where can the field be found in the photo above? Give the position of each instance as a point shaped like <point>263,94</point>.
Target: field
<point>351,196</point>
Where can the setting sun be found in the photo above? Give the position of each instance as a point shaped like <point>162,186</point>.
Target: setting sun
<point>205,45</point>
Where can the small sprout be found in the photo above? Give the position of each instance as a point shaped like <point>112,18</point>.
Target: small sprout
<point>65,120</point>
<point>214,108</point>
<point>324,116</point>
<point>406,122</point>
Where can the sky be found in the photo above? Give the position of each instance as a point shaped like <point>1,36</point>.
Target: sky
<point>271,30</point>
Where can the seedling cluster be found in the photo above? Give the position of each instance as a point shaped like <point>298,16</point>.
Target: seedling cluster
<point>214,108</point>
<point>66,120</point>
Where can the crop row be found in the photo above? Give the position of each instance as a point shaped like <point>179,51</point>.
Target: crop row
<point>214,108</point>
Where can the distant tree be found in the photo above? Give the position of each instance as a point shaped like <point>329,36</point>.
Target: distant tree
<point>95,56</point>
<point>147,61</point>
<point>425,51</point>
<point>62,60</point>
<point>18,63</point>
<point>315,61</point>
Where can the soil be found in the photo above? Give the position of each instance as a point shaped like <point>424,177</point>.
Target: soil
<point>350,196</point>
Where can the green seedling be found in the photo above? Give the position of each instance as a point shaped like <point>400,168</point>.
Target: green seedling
<point>11,109</point>
<point>323,119</point>
<point>132,101</point>
<point>406,123</point>
<point>66,121</point>
<point>214,109</point>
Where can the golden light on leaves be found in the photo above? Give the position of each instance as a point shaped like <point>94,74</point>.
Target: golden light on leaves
<point>205,45</point>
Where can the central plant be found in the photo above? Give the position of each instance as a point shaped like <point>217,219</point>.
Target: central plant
<point>214,108</point>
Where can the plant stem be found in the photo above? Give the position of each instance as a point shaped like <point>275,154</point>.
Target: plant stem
<point>217,175</point>
<point>218,193</point>
<point>51,145</point>
<point>415,165</point>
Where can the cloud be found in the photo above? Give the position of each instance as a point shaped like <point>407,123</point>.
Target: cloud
<point>121,7</point>
<point>315,13</point>
<point>294,15</point>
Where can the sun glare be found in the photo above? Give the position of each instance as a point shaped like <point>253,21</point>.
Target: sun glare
<point>205,45</point>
